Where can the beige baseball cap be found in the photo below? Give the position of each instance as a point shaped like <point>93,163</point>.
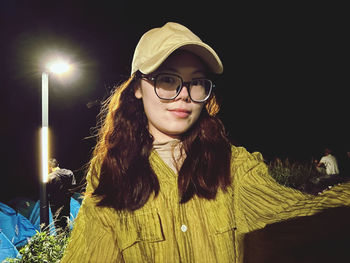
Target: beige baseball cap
<point>158,43</point>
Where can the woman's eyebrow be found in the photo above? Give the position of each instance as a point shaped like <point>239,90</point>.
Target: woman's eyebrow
<point>199,71</point>
<point>169,69</point>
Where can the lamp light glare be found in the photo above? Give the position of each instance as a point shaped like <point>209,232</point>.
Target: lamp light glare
<point>59,67</point>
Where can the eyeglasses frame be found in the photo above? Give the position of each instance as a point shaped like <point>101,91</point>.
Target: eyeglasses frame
<point>153,77</point>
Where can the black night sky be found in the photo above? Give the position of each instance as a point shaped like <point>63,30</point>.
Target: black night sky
<point>284,89</point>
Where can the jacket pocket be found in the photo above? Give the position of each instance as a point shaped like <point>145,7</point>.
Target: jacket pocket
<point>220,215</point>
<point>222,223</point>
<point>143,226</point>
<point>222,226</point>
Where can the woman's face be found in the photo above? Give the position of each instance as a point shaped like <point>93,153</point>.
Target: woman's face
<point>169,119</point>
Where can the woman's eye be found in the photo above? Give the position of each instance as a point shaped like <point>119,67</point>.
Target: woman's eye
<point>167,79</point>
<point>195,82</point>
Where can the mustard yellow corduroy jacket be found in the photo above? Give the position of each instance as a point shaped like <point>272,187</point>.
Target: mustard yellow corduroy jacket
<point>198,231</point>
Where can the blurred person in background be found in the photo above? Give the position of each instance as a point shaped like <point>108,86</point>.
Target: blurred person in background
<point>328,164</point>
<point>59,185</point>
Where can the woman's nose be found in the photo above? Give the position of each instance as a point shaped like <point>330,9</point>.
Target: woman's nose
<point>184,94</point>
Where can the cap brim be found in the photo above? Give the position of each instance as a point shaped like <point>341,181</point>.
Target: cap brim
<point>205,52</point>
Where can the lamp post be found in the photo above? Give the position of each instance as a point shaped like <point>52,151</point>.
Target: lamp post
<point>58,67</point>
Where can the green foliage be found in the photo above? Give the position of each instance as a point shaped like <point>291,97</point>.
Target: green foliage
<point>291,174</point>
<point>43,248</point>
<point>303,176</point>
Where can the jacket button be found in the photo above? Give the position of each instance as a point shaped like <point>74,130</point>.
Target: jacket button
<point>183,228</point>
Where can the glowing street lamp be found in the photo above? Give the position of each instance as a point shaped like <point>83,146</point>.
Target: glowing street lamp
<point>57,67</point>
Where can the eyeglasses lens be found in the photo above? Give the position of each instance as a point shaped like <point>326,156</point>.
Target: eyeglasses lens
<point>168,86</point>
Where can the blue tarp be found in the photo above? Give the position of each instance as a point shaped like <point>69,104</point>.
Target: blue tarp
<point>35,215</point>
<point>7,249</point>
<point>17,228</point>
<point>74,208</point>
<point>22,205</point>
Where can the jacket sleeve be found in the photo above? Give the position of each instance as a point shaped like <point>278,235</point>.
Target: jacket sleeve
<point>260,200</point>
<point>93,238</point>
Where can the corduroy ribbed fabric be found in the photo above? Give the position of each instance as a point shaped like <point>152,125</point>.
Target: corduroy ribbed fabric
<point>198,231</point>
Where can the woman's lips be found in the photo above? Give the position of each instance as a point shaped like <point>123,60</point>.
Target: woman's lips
<point>180,113</point>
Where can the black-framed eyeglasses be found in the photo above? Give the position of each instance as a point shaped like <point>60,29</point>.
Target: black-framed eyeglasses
<point>168,86</point>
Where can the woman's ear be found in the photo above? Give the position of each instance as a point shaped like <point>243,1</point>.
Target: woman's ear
<point>138,91</point>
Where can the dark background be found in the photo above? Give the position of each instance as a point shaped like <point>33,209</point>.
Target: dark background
<point>284,89</point>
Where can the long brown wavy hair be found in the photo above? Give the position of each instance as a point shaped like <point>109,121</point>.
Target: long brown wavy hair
<point>121,156</point>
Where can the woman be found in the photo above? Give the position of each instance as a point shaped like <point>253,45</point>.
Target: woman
<point>164,184</point>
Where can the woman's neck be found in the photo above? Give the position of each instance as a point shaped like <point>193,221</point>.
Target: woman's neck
<point>170,153</point>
